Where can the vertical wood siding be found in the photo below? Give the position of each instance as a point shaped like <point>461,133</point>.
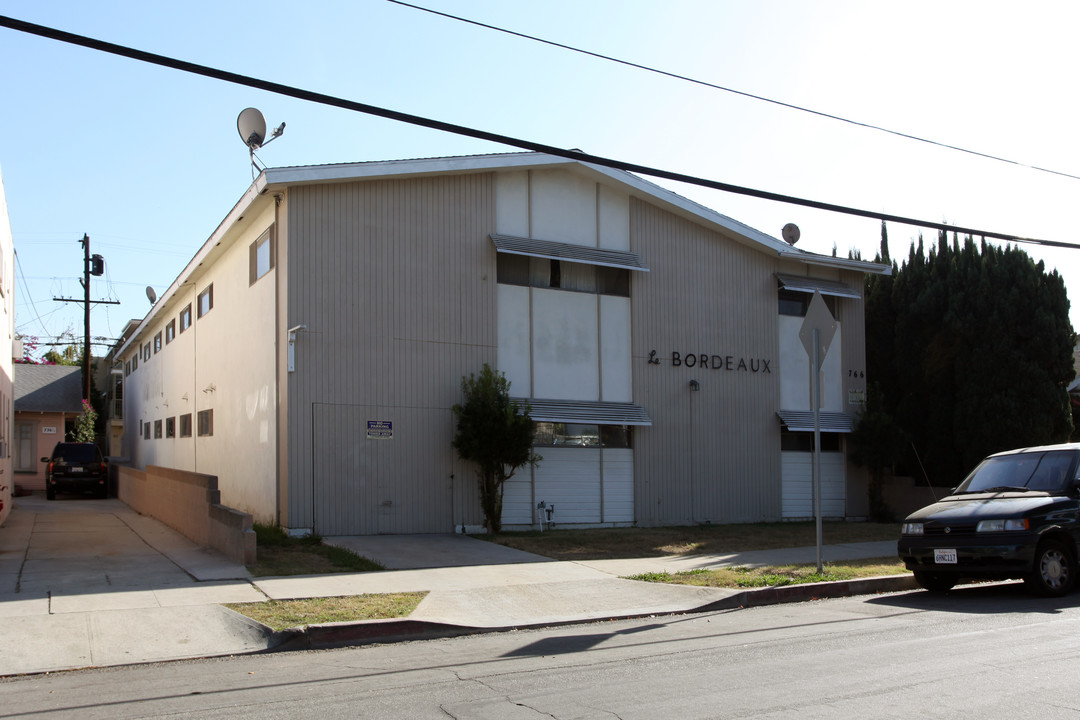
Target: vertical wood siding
<point>395,281</point>
<point>711,455</point>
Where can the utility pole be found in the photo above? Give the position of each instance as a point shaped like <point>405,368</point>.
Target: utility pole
<point>92,265</point>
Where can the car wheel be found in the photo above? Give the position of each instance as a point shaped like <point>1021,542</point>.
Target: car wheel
<point>50,492</point>
<point>935,582</point>
<point>1054,571</point>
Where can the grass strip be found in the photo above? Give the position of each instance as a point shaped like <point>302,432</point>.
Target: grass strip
<point>775,576</point>
<point>283,614</point>
<point>280,555</point>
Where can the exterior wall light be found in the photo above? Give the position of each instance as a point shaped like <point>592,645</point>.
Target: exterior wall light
<point>694,386</point>
<point>292,345</point>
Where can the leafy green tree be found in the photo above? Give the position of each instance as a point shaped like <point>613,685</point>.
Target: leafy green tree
<point>495,433</point>
<point>971,346</point>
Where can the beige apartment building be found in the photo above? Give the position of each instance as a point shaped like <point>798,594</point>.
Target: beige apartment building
<point>310,353</point>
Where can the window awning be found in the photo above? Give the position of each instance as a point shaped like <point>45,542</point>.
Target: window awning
<point>803,421</point>
<point>581,411</point>
<point>567,251</point>
<point>809,285</point>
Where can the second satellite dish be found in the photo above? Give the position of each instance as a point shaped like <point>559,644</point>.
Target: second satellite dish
<point>151,295</point>
<point>252,127</point>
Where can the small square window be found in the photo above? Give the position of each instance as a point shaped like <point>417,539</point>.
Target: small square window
<point>206,423</point>
<point>134,362</point>
<point>185,425</point>
<point>185,318</point>
<point>146,352</point>
<point>127,368</point>
<point>170,332</point>
<point>157,343</point>
<point>206,300</point>
<point>170,427</point>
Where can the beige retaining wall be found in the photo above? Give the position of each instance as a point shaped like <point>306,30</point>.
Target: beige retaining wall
<point>190,503</point>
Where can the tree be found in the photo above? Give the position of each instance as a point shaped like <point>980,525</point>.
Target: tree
<point>878,442</point>
<point>971,346</point>
<point>495,433</point>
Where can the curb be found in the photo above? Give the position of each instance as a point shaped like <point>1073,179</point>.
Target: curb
<point>368,632</point>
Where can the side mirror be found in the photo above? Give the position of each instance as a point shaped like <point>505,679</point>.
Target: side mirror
<point>44,459</point>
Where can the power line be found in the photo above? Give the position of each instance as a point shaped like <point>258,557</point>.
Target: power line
<point>743,93</point>
<point>22,286</point>
<point>307,95</point>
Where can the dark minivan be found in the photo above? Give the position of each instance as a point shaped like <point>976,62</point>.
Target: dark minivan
<point>76,467</point>
<point>1017,515</point>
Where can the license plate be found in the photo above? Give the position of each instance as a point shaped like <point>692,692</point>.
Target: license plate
<point>77,469</point>
<point>945,557</point>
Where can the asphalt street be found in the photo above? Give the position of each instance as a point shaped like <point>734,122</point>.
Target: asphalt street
<point>983,651</point>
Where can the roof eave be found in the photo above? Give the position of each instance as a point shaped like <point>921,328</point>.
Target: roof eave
<point>254,191</point>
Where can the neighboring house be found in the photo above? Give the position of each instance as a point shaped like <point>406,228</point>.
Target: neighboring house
<point>310,353</point>
<point>110,383</point>
<point>7,341</point>
<point>48,399</point>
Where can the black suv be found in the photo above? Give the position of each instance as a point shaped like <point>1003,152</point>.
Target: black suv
<point>76,467</point>
<point>1017,515</point>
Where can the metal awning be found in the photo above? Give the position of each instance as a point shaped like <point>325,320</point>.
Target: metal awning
<point>567,251</point>
<point>581,411</point>
<point>803,421</point>
<point>809,285</point>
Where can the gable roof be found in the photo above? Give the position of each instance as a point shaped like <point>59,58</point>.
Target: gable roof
<point>273,179</point>
<point>47,388</point>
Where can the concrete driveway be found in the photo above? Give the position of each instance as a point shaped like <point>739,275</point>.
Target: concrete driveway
<point>91,582</point>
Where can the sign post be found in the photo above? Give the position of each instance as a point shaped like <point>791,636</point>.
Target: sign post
<point>816,334</point>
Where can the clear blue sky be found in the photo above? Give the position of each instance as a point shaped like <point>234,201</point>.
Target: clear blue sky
<point>147,160</point>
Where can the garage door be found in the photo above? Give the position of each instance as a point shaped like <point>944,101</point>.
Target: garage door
<point>797,472</point>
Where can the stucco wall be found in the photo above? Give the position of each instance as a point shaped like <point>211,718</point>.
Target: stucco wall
<point>190,504</point>
<point>224,363</point>
<point>40,444</point>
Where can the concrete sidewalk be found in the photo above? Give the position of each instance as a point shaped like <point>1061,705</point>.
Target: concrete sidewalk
<point>92,583</point>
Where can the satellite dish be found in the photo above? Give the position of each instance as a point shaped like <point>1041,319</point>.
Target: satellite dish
<point>790,233</point>
<point>151,295</point>
<point>252,127</point>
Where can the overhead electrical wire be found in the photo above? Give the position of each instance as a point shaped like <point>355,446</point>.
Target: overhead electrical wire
<point>743,93</point>
<point>30,300</point>
<point>307,95</point>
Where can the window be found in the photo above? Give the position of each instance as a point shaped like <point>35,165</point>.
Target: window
<point>261,256</point>
<point>577,435</point>
<point>206,300</point>
<point>157,429</point>
<point>804,441</point>
<point>157,343</point>
<point>170,332</point>
<point>185,318</point>
<point>134,362</point>
<point>797,303</point>
<point>185,425</point>
<point>146,352</point>
<point>170,427</point>
<point>146,430</point>
<point>127,368</point>
<point>206,423</point>
<point>562,274</point>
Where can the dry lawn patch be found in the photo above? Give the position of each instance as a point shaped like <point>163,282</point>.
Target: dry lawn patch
<point>618,543</point>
